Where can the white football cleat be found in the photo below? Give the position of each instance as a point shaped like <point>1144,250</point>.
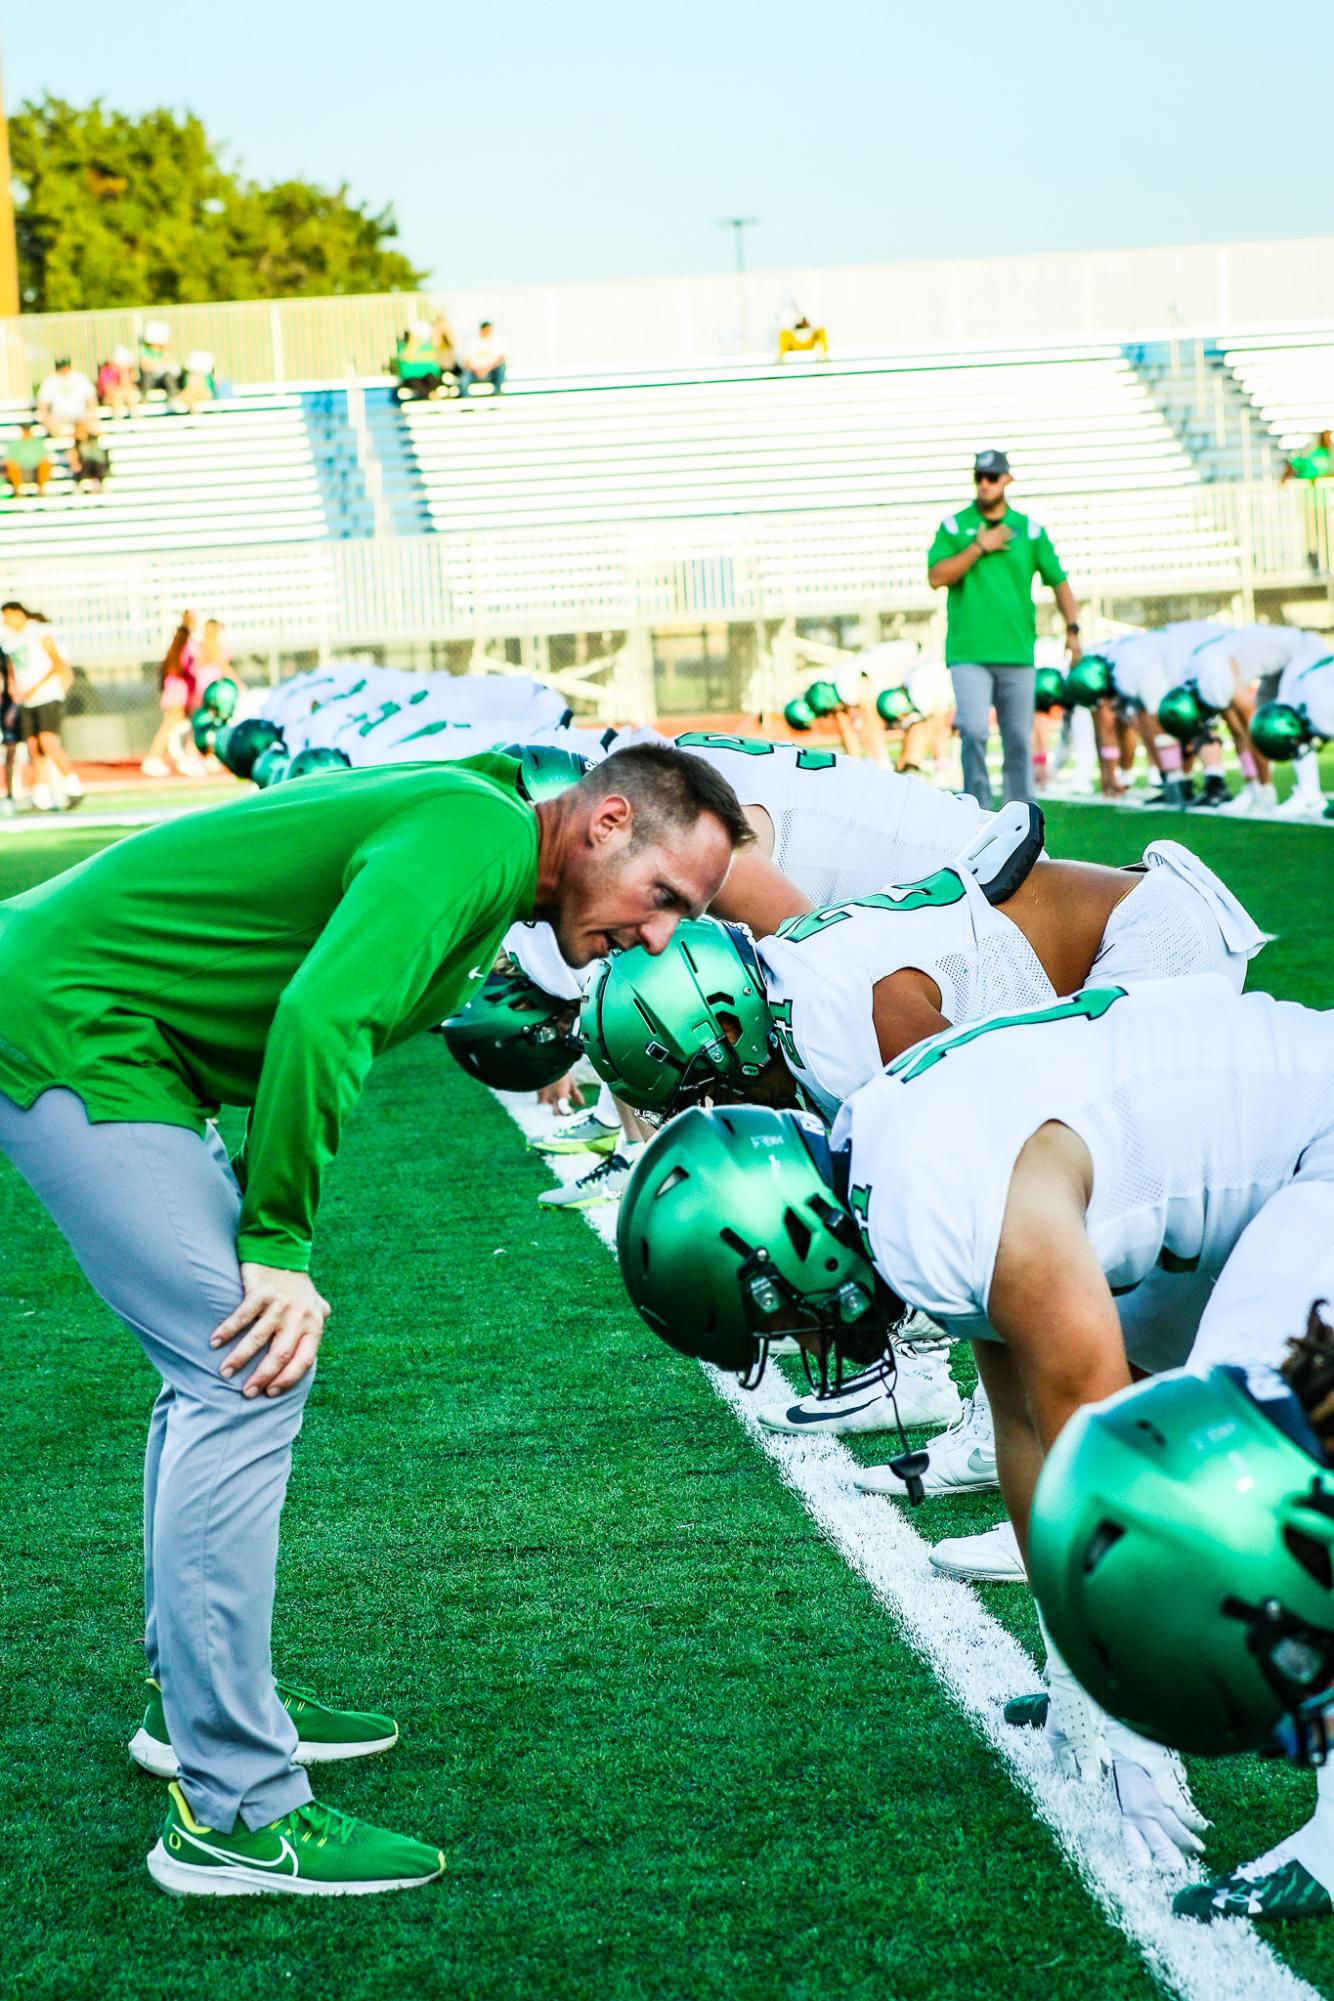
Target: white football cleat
<point>992,1558</point>
<point>1299,806</point>
<point>961,1461</point>
<point>923,1390</point>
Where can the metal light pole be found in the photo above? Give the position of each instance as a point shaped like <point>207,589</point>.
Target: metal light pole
<point>739,224</point>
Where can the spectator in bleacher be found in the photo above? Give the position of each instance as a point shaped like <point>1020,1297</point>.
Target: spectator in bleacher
<point>27,461</point>
<point>802,338</point>
<point>986,557</point>
<point>416,361</point>
<point>1316,462</point>
<point>484,361</point>
<point>42,678</point>
<point>89,460</point>
<point>197,387</point>
<point>117,389</point>
<point>158,366</point>
<point>65,400</point>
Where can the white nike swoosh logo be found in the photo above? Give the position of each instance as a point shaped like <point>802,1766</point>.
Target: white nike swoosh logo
<point>286,1853</point>
<point>476,973</point>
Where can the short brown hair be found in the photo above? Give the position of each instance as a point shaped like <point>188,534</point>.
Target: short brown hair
<point>669,790</point>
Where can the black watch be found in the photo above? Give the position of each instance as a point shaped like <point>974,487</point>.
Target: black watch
<point>1072,627</point>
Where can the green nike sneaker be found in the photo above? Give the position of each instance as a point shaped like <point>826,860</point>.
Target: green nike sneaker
<point>1275,1887</point>
<point>585,1135</point>
<point>315,1852</point>
<point>323,1734</point>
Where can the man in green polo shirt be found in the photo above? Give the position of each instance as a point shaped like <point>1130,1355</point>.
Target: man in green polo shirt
<point>987,556</point>
<point>261,955</point>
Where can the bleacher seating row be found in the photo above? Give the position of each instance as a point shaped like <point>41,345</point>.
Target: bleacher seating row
<point>239,471</point>
<point>807,438</point>
<point>669,447</point>
<point>1290,380</point>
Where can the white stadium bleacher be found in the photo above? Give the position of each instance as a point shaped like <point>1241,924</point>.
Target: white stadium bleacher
<point>241,471</point>
<point>747,440</point>
<point>1290,380</point>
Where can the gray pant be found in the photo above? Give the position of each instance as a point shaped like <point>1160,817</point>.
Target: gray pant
<point>977,689</point>
<point>150,1212</point>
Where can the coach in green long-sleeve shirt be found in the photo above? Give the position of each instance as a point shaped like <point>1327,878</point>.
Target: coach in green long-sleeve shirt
<point>262,955</point>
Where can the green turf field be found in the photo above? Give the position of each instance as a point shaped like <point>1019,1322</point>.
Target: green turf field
<point>672,1744</point>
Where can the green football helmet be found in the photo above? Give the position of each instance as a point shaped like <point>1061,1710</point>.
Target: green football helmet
<point>319,757</point>
<point>823,698</point>
<point>1049,690</point>
<point>1089,680</point>
<point>220,698</point>
<point>894,706</point>
<point>204,728</point>
<point>730,1235</point>
<point>1280,732</point>
<point>239,745</point>
<point>1180,1549</point>
<point>655,1027</point>
<point>511,1035</point>
<point>271,766</point>
<point>545,769</point>
<point>1183,715</point>
<point>799,715</point>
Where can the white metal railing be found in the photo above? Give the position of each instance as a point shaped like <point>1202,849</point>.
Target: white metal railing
<point>1223,539</point>
<point>868,308</point>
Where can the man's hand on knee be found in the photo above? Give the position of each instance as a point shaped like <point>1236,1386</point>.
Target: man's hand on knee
<point>282,1312</point>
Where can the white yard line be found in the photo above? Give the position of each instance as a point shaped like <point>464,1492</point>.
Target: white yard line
<point>982,1666</point>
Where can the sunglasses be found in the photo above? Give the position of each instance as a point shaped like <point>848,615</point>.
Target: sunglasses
<point>978,477</point>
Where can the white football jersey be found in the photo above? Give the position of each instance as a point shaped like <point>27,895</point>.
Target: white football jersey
<point>1309,685</point>
<point>820,974</point>
<point>1146,664</point>
<point>842,827</point>
<point>1229,662</point>
<point>1194,1102</point>
<point>292,703</point>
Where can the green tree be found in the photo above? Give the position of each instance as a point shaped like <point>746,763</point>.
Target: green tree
<point>113,210</point>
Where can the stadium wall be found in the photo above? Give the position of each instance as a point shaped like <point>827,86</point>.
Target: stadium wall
<point>868,308</point>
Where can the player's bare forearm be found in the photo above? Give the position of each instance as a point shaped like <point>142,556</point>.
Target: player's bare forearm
<point>1049,1299</point>
<point>1019,1450</point>
<point>758,895</point>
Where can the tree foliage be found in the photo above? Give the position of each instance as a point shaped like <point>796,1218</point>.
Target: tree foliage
<point>114,210</point>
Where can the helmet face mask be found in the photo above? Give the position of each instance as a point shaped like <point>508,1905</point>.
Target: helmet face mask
<point>692,1021</point>
<point>731,1235</point>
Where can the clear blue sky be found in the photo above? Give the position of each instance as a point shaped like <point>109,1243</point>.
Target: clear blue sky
<point>582,140</point>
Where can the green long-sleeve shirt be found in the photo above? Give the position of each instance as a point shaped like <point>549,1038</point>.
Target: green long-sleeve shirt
<point>262,955</point>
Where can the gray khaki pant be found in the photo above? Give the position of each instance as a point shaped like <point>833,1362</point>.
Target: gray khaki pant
<point>150,1212</point>
<point>977,689</point>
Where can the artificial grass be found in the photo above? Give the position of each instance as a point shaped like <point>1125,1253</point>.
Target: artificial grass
<point>671,1743</point>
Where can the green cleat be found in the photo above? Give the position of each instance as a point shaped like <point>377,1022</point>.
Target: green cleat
<point>1272,1888</point>
<point>323,1734</point>
<point>314,1852</point>
<point>586,1135</point>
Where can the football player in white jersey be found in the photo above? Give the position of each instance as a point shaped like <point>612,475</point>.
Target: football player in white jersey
<point>1222,674</point>
<point>1131,1176</point>
<point>1142,667</point>
<point>1290,726</point>
<point>835,995</point>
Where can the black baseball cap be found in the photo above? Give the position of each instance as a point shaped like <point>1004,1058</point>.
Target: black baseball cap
<point>992,462</point>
